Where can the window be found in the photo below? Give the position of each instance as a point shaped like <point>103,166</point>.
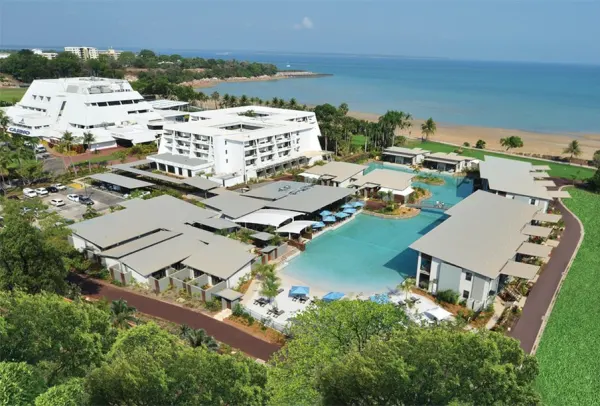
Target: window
<point>126,101</point>
<point>225,152</point>
<point>532,202</point>
<point>225,142</point>
<point>102,104</point>
<point>114,103</point>
<point>468,276</point>
<point>227,161</point>
<point>465,294</point>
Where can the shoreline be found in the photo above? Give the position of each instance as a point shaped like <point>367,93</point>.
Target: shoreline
<point>212,82</point>
<point>533,142</point>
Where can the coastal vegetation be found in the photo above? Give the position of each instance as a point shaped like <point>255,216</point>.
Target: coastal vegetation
<point>568,371</point>
<point>511,142</point>
<point>573,150</point>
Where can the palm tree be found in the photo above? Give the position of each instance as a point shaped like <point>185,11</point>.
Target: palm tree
<point>428,128</point>
<point>574,149</point>
<point>270,285</point>
<point>233,101</point>
<point>226,100</point>
<point>244,101</point>
<point>407,285</point>
<point>122,314</point>
<point>274,102</point>
<point>215,96</point>
<point>198,338</point>
<point>293,104</point>
<point>4,121</point>
<point>88,139</point>
<point>68,139</point>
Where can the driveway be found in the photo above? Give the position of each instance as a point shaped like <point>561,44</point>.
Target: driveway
<point>222,332</point>
<point>540,298</point>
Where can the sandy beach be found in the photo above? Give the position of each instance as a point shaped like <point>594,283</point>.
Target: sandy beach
<point>211,82</point>
<point>534,143</point>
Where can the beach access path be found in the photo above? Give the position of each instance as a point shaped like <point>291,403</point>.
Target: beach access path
<point>222,332</point>
<point>536,311</point>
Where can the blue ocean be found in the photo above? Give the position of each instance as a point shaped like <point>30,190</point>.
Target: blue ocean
<point>549,98</point>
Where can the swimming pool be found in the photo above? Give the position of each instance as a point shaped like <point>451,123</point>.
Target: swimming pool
<point>371,254</point>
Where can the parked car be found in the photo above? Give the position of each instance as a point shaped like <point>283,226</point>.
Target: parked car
<point>57,202</point>
<point>85,200</point>
<point>73,198</point>
<point>29,192</point>
<point>41,191</point>
<point>59,186</point>
<point>52,189</point>
<point>40,149</point>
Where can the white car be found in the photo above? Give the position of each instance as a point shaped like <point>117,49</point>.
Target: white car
<point>59,186</point>
<point>42,191</point>
<point>29,192</point>
<point>73,197</point>
<point>57,202</point>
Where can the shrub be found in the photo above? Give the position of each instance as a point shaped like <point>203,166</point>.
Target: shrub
<point>480,144</point>
<point>490,308</point>
<point>447,296</point>
<point>465,314</point>
<point>213,305</point>
<point>238,311</point>
<point>466,144</point>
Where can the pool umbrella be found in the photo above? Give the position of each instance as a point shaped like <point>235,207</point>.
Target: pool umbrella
<point>329,219</point>
<point>380,298</point>
<point>325,213</point>
<point>347,206</point>
<point>299,290</point>
<point>318,224</point>
<point>350,211</point>
<point>331,296</point>
<point>358,204</point>
<point>342,215</point>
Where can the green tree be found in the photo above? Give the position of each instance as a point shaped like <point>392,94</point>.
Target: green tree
<point>63,339</point>
<point>407,285</point>
<point>122,315</point>
<point>270,285</point>
<point>321,334</point>
<point>511,142</point>
<point>428,129</point>
<point>573,149</point>
<point>480,144</point>
<point>198,338</point>
<point>27,260</point>
<point>594,181</point>
<point>20,384</point>
<point>88,139</point>
<point>29,171</point>
<point>596,159</point>
<point>127,59</point>
<point>70,393</point>
<point>67,140</point>
<point>391,121</point>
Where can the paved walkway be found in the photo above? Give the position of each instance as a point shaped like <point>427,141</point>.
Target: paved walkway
<point>222,332</point>
<point>541,296</point>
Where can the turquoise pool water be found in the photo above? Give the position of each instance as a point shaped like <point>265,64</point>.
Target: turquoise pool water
<point>370,254</point>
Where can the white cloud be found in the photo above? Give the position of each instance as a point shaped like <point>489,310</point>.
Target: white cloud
<point>305,24</point>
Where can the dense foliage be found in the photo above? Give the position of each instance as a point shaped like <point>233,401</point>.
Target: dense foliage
<point>27,66</point>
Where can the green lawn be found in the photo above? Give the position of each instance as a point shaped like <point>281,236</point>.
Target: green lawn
<point>10,94</point>
<point>358,140</point>
<point>569,352</point>
<point>556,169</point>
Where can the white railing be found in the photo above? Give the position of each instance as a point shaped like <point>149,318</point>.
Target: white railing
<point>269,321</point>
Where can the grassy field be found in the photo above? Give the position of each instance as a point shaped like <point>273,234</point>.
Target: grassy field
<point>556,169</point>
<point>10,94</point>
<point>569,354</point>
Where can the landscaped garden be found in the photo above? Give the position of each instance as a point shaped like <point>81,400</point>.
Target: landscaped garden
<point>568,352</point>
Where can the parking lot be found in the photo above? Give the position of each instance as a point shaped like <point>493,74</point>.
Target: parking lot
<point>74,210</point>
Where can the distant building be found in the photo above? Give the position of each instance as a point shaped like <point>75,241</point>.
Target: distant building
<point>110,52</point>
<point>47,55</point>
<point>236,144</point>
<point>4,55</point>
<point>108,108</point>
<point>83,52</point>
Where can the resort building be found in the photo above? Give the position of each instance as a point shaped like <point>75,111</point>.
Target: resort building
<point>385,181</point>
<point>47,55</point>
<point>164,242</point>
<point>449,162</point>
<point>108,108</point>
<point>404,156</point>
<point>83,52</point>
<point>340,174</point>
<point>241,143</point>
<point>485,240</point>
<point>518,180</point>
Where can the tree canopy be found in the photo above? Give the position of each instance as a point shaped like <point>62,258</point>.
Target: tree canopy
<point>511,142</point>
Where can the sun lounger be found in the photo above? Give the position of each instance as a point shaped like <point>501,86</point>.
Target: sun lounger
<point>280,290</point>
<point>295,298</point>
<point>277,313</point>
<point>303,299</point>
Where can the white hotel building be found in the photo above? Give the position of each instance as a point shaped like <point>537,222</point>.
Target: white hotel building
<point>230,147</point>
<point>108,108</point>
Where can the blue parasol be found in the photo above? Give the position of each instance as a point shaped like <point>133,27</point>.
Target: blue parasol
<point>325,213</point>
<point>331,296</point>
<point>318,224</point>
<point>350,211</point>
<point>329,219</point>
<point>342,215</point>
<point>299,290</point>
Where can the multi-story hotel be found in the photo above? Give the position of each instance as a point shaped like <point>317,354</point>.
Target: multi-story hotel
<point>239,143</point>
<point>108,108</point>
<point>83,52</point>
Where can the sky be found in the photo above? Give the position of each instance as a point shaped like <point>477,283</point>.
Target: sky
<point>504,30</point>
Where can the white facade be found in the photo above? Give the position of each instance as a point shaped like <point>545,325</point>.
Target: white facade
<point>108,108</point>
<point>231,144</point>
<point>83,52</point>
<point>47,55</point>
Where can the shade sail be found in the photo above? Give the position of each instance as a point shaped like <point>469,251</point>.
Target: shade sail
<point>342,215</point>
<point>346,206</point>
<point>331,296</point>
<point>535,250</point>
<point>329,219</point>
<point>520,270</point>
<point>547,217</point>
<point>299,290</point>
<point>318,224</point>
<point>537,231</point>
<point>350,211</point>
<point>295,227</point>
<point>325,213</point>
